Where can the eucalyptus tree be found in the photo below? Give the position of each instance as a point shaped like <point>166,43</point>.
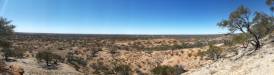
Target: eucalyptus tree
<point>253,27</point>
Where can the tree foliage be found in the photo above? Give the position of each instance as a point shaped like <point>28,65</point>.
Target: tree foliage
<point>242,20</point>
<point>6,32</point>
<point>241,39</point>
<point>263,24</point>
<point>270,4</point>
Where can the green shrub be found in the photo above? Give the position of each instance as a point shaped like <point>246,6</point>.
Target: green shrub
<point>50,58</point>
<point>228,43</point>
<point>198,44</point>
<point>77,62</point>
<point>101,69</point>
<point>213,53</point>
<point>122,69</point>
<point>18,53</point>
<point>167,70</point>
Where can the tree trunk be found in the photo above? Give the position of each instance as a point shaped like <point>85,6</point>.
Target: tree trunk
<point>257,44</point>
<point>6,57</point>
<point>244,45</point>
<point>6,54</point>
<point>47,62</point>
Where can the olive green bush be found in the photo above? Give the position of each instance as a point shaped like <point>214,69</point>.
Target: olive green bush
<point>168,70</point>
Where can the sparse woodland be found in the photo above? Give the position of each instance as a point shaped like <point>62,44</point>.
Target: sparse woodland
<point>127,55</point>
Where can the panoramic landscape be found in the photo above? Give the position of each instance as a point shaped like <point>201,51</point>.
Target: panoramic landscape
<point>136,37</point>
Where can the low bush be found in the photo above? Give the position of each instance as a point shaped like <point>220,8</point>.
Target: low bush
<point>17,53</point>
<point>50,58</point>
<point>213,53</point>
<point>76,61</point>
<point>101,69</point>
<point>168,70</point>
<point>122,69</point>
<point>228,43</point>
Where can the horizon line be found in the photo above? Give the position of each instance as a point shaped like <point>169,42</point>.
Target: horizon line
<point>111,33</point>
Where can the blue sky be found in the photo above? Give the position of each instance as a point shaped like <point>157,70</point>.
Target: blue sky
<point>122,16</point>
